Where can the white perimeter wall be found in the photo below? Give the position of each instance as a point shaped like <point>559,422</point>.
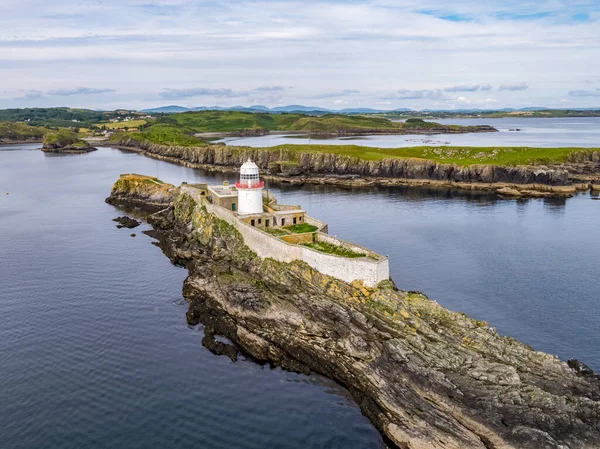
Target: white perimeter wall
<point>366,269</point>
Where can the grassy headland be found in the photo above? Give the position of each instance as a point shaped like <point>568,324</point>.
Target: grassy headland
<point>464,156</point>
<point>234,121</point>
<point>20,132</point>
<point>164,134</point>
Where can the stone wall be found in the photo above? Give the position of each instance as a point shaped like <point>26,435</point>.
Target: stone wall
<point>321,225</point>
<point>366,269</point>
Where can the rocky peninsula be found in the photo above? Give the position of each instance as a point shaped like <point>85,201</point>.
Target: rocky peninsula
<point>65,141</point>
<point>580,172</point>
<point>425,376</point>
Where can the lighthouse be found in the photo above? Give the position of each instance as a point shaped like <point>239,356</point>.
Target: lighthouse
<point>249,189</point>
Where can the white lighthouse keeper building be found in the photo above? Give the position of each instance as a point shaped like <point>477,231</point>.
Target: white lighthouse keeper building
<point>249,189</point>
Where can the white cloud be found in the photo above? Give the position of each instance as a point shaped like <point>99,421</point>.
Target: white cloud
<point>469,88</point>
<point>79,91</point>
<point>585,93</point>
<point>319,47</point>
<point>514,86</point>
<point>407,94</point>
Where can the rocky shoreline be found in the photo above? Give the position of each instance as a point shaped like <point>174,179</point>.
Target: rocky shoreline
<point>356,132</point>
<point>315,168</point>
<point>4,142</point>
<point>426,377</point>
<point>69,149</point>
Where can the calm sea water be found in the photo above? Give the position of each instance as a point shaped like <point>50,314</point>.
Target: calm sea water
<point>534,132</point>
<point>95,352</point>
<point>94,348</point>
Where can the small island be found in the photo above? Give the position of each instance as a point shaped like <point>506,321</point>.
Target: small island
<point>65,141</point>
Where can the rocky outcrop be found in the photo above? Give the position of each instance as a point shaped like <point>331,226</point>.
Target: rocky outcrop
<point>126,222</point>
<point>133,191</point>
<point>426,377</point>
<point>65,141</point>
<point>70,149</point>
<point>298,167</point>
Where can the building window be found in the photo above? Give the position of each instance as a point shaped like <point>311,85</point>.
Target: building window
<point>300,218</point>
<point>294,220</point>
<point>260,221</point>
<point>252,222</point>
<point>233,207</point>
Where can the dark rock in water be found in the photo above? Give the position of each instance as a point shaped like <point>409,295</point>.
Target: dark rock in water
<point>70,149</point>
<point>217,347</point>
<point>126,222</point>
<point>132,235</point>
<point>580,368</point>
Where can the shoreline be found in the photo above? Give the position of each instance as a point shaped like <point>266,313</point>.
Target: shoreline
<point>19,142</point>
<point>502,189</point>
<point>368,132</point>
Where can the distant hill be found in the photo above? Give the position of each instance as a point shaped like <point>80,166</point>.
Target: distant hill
<point>315,110</point>
<point>172,109</point>
<point>166,110</point>
<point>60,117</point>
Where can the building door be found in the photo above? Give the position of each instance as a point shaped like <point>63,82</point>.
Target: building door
<point>294,220</point>
<point>283,222</point>
<point>233,207</point>
<point>252,222</point>
<point>266,223</point>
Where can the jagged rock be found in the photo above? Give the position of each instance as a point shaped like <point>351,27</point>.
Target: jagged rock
<point>126,222</point>
<point>506,191</point>
<point>138,190</point>
<point>580,368</point>
<point>426,377</point>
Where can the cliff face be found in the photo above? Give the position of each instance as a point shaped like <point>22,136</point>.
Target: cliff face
<point>134,190</point>
<point>427,377</point>
<point>303,166</point>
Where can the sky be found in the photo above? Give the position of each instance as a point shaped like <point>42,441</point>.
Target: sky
<point>385,54</point>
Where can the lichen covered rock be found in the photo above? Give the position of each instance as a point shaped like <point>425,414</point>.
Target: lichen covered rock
<point>140,190</point>
<point>426,377</point>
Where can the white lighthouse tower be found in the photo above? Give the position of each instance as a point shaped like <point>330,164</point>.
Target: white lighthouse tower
<point>249,190</point>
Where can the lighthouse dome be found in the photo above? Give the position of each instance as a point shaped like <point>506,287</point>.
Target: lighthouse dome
<point>249,171</point>
<point>249,168</point>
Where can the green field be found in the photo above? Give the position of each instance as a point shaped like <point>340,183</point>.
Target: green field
<point>121,125</point>
<point>164,135</point>
<point>301,228</point>
<point>452,155</point>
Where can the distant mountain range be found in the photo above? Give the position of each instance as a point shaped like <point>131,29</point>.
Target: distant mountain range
<point>259,108</point>
<point>172,109</point>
